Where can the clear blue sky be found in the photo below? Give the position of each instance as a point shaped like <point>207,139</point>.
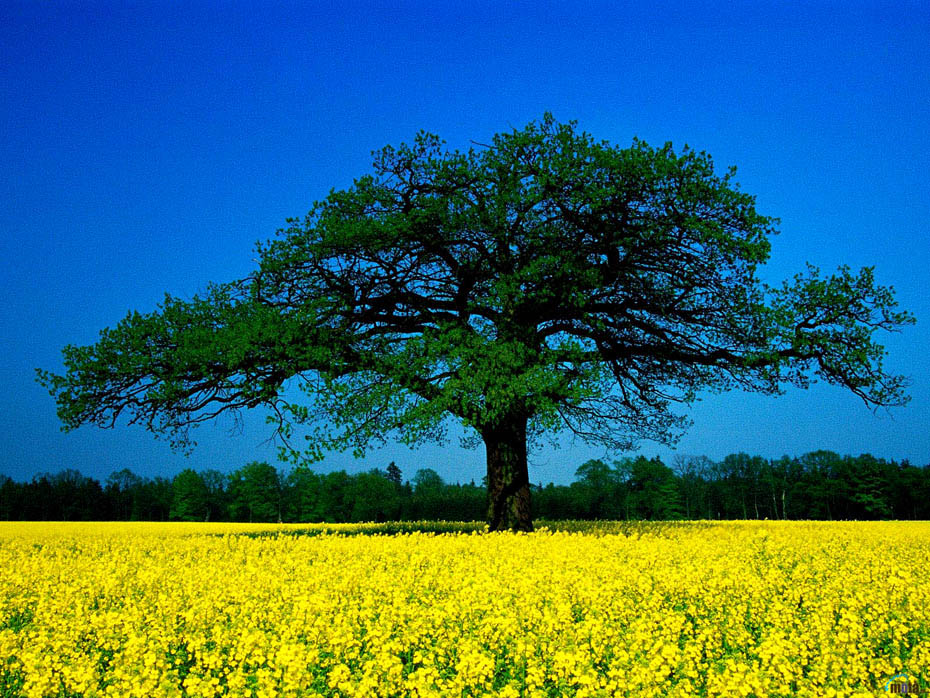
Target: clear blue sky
<point>145,147</point>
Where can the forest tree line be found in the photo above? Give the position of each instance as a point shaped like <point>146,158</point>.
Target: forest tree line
<point>817,485</point>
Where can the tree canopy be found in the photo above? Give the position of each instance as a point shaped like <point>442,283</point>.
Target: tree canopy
<point>543,282</point>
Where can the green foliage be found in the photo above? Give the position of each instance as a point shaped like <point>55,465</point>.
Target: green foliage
<point>17,619</point>
<point>375,498</point>
<point>394,474</point>
<point>304,502</point>
<point>654,492</point>
<point>546,275</point>
<point>544,282</point>
<point>122,487</point>
<point>190,497</point>
<point>817,485</point>
<point>601,488</point>
<point>427,481</point>
<point>12,680</point>
<point>255,493</point>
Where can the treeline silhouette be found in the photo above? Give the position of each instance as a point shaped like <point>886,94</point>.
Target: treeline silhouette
<point>818,485</point>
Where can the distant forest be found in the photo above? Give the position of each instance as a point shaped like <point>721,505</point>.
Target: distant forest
<point>818,485</point>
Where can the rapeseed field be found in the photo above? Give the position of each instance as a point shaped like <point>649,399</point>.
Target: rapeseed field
<point>689,609</point>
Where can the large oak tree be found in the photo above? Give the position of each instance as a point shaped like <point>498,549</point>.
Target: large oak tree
<point>543,282</point>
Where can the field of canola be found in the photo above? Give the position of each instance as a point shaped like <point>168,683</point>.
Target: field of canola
<point>704,609</point>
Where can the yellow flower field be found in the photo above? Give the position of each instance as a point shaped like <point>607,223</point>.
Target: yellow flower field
<point>706,609</point>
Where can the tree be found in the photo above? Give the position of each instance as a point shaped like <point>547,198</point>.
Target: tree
<point>870,481</point>
<point>743,476</point>
<point>76,497</point>
<point>255,493</point>
<point>693,472</point>
<point>428,500</point>
<point>123,489</point>
<point>598,487</point>
<point>544,281</point>
<point>216,483</point>
<point>336,496</point>
<point>8,492</point>
<point>190,500</point>
<point>427,481</point>
<point>783,477</point>
<point>824,488</point>
<point>653,489</point>
<point>304,499</point>
<point>394,474</point>
<point>154,499</point>
<point>374,497</point>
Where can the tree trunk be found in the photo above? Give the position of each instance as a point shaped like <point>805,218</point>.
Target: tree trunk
<point>508,477</point>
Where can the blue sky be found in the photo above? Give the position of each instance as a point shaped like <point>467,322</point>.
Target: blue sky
<point>146,147</point>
